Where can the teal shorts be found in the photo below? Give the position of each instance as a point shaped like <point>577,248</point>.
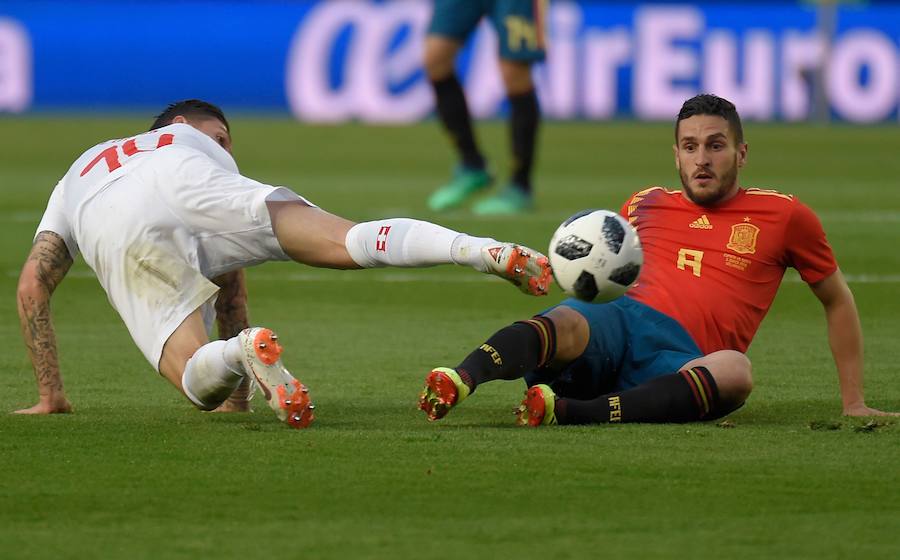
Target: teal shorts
<point>630,343</point>
<point>519,24</point>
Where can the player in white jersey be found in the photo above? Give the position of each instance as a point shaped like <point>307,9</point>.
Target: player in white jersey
<point>168,223</point>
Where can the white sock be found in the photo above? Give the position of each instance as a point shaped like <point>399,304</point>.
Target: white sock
<point>466,250</point>
<point>232,353</point>
<point>405,242</point>
<point>208,377</point>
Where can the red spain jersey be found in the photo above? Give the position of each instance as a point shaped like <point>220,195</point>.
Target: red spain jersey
<point>716,270</point>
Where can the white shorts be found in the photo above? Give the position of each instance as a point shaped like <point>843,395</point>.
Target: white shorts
<point>155,237</point>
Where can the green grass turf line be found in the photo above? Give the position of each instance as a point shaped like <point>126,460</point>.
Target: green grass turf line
<point>136,473</point>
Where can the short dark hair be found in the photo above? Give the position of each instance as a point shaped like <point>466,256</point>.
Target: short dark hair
<point>189,108</point>
<point>709,104</point>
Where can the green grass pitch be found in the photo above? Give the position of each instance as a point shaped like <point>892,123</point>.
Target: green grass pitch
<point>137,473</point>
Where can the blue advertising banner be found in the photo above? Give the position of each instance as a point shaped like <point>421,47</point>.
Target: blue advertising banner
<point>332,61</point>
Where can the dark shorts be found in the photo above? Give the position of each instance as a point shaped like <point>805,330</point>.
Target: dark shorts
<point>519,24</point>
<point>630,343</point>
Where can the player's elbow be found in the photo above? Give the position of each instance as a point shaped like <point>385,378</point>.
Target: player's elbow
<point>30,291</point>
<point>30,283</point>
<point>833,291</point>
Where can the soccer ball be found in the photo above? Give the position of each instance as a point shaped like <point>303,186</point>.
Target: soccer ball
<point>596,255</point>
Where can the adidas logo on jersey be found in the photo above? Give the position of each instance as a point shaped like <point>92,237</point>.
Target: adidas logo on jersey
<point>701,223</point>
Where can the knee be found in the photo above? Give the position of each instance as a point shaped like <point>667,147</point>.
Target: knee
<point>736,373</point>
<point>516,77</point>
<point>572,333</point>
<point>438,60</point>
<point>437,68</point>
<point>310,235</point>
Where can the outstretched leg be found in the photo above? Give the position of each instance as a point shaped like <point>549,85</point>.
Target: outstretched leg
<point>312,236</point>
<point>510,353</point>
<point>703,389</point>
<point>557,338</point>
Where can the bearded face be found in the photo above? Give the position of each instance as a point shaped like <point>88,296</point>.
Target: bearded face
<point>708,158</point>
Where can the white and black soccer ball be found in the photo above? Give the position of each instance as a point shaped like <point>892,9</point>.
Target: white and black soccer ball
<point>596,255</point>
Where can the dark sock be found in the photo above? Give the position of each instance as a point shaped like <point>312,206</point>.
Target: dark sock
<point>525,115</point>
<point>454,114</point>
<point>685,396</point>
<point>511,352</point>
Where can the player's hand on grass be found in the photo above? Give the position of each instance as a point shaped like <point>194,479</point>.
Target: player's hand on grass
<point>862,410</point>
<point>57,404</point>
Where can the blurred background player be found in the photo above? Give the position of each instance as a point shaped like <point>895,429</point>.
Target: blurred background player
<point>167,222</point>
<point>520,30</point>
<point>672,349</point>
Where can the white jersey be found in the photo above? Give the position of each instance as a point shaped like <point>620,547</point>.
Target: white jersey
<point>156,216</point>
<point>108,161</point>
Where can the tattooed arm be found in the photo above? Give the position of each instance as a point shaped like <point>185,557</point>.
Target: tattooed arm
<point>231,318</point>
<point>46,266</point>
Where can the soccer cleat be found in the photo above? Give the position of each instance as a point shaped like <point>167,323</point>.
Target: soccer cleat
<point>527,269</point>
<point>261,355</point>
<point>537,407</point>
<point>465,182</point>
<point>511,200</point>
<point>443,390</point>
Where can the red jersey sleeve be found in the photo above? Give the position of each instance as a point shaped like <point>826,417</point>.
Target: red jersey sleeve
<point>623,211</point>
<point>806,247</point>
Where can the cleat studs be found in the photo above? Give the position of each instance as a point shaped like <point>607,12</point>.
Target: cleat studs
<point>304,389</point>
<point>274,336</point>
<point>262,344</point>
<point>287,403</point>
<point>311,406</point>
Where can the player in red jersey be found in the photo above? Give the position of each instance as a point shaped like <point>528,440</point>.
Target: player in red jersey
<point>672,349</point>
<point>734,253</point>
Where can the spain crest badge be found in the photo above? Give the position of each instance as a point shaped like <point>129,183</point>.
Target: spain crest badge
<point>743,238</point>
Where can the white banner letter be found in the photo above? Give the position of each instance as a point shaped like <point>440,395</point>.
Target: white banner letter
<point>659,62</point>
<point>877,98</point>
<point>15,67</point>
<point>754,92</point>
